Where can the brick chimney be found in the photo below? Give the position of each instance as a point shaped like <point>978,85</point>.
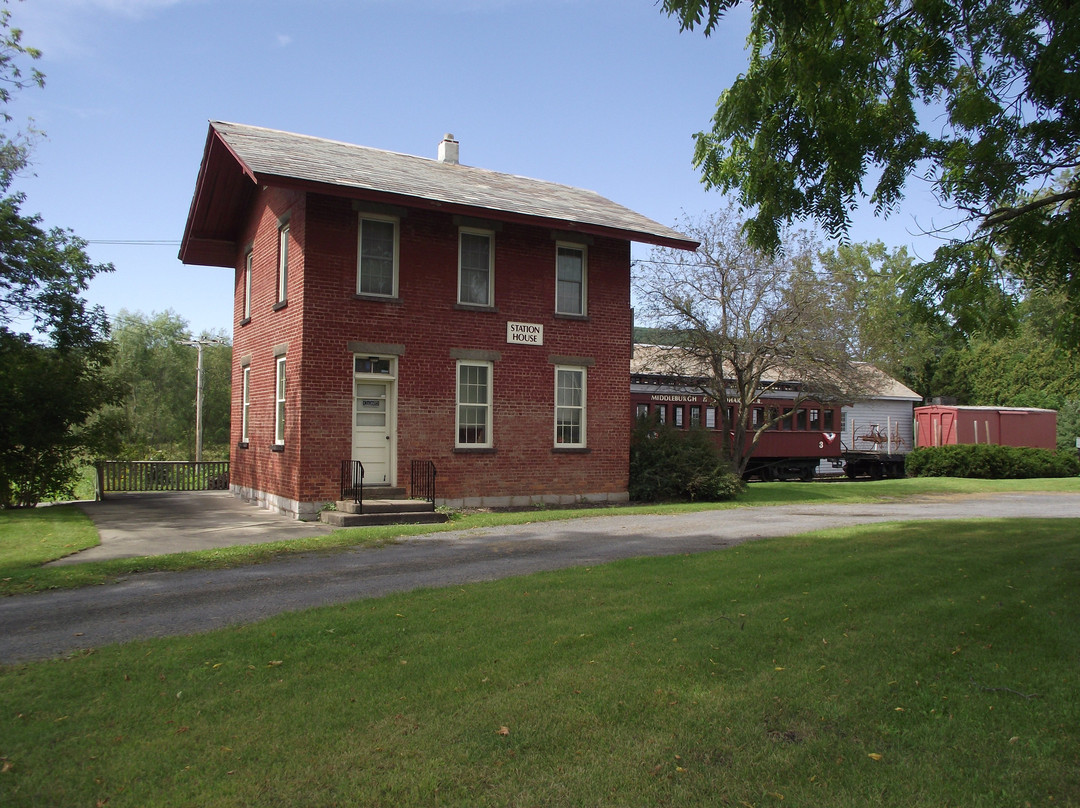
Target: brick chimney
<point>448,150</point>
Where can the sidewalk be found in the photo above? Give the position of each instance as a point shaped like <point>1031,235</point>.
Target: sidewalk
<point>162,522</point>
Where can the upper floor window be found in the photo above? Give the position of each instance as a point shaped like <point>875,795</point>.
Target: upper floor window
<point>570,279</point>
<point>377,262</point>
<point>283,262</point>
<point>695,417</point>
<point>476,267</point>
<point>569,406</point>
<point>710,417</point>
<point>279,403</point>
<point>474,404</point>
<point>248,257</point>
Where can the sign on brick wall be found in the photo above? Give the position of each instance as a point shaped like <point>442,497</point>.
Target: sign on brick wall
<point>525,333</point>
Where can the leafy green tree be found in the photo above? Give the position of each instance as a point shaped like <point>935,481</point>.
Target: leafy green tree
<point>158,372</point>
<point>844,100</point>
<point>53,346</point>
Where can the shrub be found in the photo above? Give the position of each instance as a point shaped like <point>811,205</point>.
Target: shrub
<point>675,464</point>
<point>990,462</point>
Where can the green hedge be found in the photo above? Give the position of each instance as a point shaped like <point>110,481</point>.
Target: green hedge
<point>674,464</point>
<point>990,462</point>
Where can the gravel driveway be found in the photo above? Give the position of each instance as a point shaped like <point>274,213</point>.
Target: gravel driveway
<point>52,624</point>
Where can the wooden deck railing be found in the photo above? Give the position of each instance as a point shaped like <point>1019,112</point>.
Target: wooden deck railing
<point>162,475</point>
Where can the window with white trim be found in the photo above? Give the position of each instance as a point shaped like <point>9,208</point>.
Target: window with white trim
<point>476,267</point>
<point>570,279</point>
<point>283,263</point>
<point>473,421</point>
<point>377,256</point>
<point>710,417</point>
<point>245,418</point>
<point>279,403</point>
<point>248,259</point>
<point>569,406</point>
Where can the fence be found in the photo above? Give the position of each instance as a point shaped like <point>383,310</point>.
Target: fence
<point>161,475</point>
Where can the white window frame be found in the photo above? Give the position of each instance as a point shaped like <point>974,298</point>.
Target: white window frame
<point>249,259</point>
<point>283,263</point>
<point>279,402</point>
<point>582,408</point>
<point>490,236</point>
<point>396,223</point>
<point>487,443</point>
<point>245,411</point>
<point>584,295</point>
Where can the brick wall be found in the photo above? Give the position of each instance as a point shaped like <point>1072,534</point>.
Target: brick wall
<point>324,315</point>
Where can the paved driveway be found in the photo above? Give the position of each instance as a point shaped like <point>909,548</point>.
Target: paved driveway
<point>162,522</point>
<point>51,624</point>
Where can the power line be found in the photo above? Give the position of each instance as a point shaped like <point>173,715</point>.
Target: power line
<point>136,242</point>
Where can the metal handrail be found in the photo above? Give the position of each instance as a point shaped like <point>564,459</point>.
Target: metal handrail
<point>352,482</point>
<point>422,482</point>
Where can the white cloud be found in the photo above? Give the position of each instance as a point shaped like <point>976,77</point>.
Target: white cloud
<point>284,40</point>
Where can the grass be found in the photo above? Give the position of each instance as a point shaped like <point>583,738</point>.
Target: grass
<point>910,664</point>
<point>32,536</point>
<point>23,573</point>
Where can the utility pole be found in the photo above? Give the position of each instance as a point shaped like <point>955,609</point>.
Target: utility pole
<point>199,344</point>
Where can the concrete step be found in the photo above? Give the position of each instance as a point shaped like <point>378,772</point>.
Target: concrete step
<point>384,506</point>
<point>368,518</point>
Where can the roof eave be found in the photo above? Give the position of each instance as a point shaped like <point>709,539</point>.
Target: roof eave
<point>495,214</point>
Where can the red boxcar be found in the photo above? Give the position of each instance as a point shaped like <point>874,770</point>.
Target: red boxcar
<point>943,425</point>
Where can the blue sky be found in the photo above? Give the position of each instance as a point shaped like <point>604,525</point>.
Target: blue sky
<point>601,94</point>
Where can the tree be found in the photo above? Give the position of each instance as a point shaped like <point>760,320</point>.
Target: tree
<point>158,374</point>
<point>53,347</point>
<point>747,324</point>
<point>978,97</point>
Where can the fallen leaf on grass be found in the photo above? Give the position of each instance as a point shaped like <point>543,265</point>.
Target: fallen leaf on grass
<point>502,731</point>
<point>273,663</point>
<point>874,756</point>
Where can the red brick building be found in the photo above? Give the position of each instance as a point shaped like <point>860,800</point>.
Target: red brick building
<point>391,308</point>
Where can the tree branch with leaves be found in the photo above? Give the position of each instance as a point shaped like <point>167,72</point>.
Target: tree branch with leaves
<point>843,101</point>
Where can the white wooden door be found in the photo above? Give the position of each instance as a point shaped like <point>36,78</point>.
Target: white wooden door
<point>372,427</point>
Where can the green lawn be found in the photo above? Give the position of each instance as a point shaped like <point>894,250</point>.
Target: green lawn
<point>911,664</point>
<point>22,553</point>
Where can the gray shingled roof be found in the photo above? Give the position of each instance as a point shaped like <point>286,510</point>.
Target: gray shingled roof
<point>272,153</point>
